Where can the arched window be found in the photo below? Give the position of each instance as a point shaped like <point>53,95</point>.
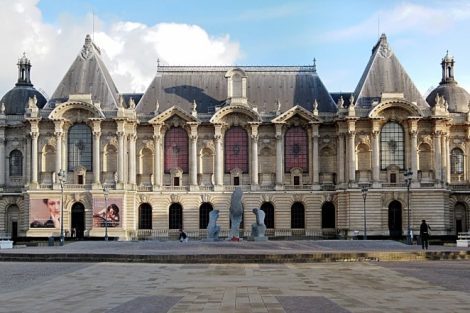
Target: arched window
<point>79,147</point>
<point>145,216</point>
<point>268,209</point>
<point>328,215</point>
<point>176,149</point>
<point>204,211</point>
<point>297,215</point>
<point>16,163</point>
<point>175,216</point>
<point>392,145</point>
<point>236,149</point>
<point>457,162</point>
<point>296,149</point>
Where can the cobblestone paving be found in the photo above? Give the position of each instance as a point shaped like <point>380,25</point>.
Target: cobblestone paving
<point>336,287</point>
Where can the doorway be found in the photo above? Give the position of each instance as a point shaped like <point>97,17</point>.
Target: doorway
<point>395,219</point>
<point>78,219</point>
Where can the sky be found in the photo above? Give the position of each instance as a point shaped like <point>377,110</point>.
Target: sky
<point>134,34</point>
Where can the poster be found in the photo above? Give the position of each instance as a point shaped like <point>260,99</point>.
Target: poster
<point>45,213</point>
<point>107,215</point>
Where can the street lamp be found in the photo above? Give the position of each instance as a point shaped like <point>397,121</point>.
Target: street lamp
<point>62,179</point>
<point>106,194</point>
<point>408,173</point>
<point>364,196</point>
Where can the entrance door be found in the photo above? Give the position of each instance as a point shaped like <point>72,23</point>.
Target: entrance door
<point>78,219</point>
<point>460,218</point>
<point>14,231</point>
<point>395,220</point>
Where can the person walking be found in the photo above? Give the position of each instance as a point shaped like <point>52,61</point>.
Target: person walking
<point>424,234</point>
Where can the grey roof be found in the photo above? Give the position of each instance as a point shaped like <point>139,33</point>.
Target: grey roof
<point>290,85</point>
<point>384,73</point>
<point>88,75</point>
<point>16,100</point>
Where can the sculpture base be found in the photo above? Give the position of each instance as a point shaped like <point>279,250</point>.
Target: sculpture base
<point>258,238</point>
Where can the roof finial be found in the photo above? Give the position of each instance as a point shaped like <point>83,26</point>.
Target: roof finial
<point>158,63</point>
<point>314,65</point>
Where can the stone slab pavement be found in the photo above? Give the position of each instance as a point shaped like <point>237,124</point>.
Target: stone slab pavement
<point>292,288</point>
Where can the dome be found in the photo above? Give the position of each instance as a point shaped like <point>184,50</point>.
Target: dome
<point>16,100</point>
<point>457,98</point>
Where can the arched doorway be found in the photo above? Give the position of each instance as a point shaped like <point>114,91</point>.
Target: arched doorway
<point>328,216</point>
<point>145,216</point>
<point>204,211</point>
<point>297,215</point>
<point>268,209</point>
<point>78,219</point>
<point>175,216</point>
<point>12,218</point>
<point>395,219</point>
<point>461,222</point>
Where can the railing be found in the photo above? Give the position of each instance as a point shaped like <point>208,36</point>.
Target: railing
<point>144,188</point>
<point>297,187</point>
<point>233,187</point>
<point>459,186</point>
<point>427,185</point>
<point>198,234</point>
<point>45,186</point>
<point>393,185</point>
<point>206,188</point>
<point>77,186</point>
<point>328,187</point>
<point>175,188</point>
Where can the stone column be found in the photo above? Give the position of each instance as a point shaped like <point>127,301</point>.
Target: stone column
<point>446,157</point>
<point>193,160</point>
<point>279,157</point>
<point>157,173</point>
<point>28,159</point>
<point>340,158</point>
<point>120,157</point>
<point>375,156</point>
<point>219,163</point>
<point>2,162</point>
<point>132,159</point>
<point>315,160</point>
<point>254,155</point>
<point>437,156</point>
<point>414,154</point>
<point>352,156</point>
<point>34,162</point>
<point>58,154</point>
<point>96,153</point>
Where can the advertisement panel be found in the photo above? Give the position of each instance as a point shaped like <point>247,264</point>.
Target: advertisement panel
<point>44,213</point>
<point>110,215</point>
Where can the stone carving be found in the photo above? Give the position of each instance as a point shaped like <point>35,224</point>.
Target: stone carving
<point>236,214</point>
<point>212,228</point>
<point>131,104</point>
<point>259,228</point>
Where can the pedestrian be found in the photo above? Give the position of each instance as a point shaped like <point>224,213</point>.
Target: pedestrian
<point>183,237</point>
<point>424,234</point>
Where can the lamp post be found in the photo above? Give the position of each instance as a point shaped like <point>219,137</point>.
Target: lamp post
<point>106,194</point>
<point>364,196</point>
<point>408,173</point>
<point>62,179</point>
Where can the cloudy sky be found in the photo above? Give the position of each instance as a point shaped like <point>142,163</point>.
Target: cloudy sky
<point>133,34</point>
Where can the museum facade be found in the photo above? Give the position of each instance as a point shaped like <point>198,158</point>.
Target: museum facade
<point>92,160</point>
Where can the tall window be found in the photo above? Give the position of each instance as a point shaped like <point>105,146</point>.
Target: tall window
<point>297,215</point>
<point>79,145</point>
<point>268,209</point>
<point>236,149</point>
<point>175,216</point>
<point>176,149</point>
<point>296,149</point>
<point>456,163</point>
<point>145,216</point>
<point>204,211</point>
<point>392,150</point>
<point>16,163</point>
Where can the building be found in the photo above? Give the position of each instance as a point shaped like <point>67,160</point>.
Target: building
<point>167,157</point>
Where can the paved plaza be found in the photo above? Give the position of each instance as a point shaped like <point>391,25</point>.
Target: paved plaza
<point>428,286</point>
<point>258,285</point>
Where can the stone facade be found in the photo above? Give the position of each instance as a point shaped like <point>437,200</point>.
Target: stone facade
<point>309,153</point>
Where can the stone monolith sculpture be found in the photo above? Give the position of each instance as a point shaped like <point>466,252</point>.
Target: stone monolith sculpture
<point>258,229</point>
<point>212,228</point>
<point>236,214</point>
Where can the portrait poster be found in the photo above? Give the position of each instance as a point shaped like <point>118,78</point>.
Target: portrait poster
<point>45,213</point>
<point>109,216</point>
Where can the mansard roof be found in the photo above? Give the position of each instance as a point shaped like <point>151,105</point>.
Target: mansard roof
<point>385,74</point>
<point>266,87</point>
<point>88,75</point>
